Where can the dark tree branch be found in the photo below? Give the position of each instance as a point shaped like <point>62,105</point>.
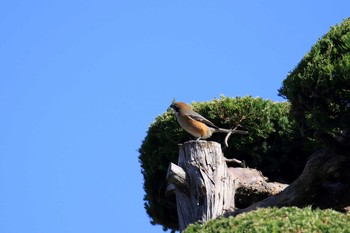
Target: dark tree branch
<point>324,183</point>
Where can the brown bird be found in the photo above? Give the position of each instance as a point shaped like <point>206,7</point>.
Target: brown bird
<point>196,124</point>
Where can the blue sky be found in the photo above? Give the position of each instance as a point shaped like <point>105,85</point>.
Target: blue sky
<point>81,81</point>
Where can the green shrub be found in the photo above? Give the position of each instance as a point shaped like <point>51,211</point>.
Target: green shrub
<point>277,144</point>
<point>319,86</point>
<point>276,220</point>
<point>272,145</point>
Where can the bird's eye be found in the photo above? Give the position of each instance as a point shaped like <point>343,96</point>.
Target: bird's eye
<point>175,107</point>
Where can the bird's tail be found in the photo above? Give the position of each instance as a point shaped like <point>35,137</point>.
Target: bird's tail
<point>231,131</point>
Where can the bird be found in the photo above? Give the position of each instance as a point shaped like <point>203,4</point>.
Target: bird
<point>195,124</point>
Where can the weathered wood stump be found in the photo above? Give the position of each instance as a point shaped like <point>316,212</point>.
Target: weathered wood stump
<point>204,189</point>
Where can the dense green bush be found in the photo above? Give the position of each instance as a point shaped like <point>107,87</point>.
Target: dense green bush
<point>277,144</point>
<point>319,86</point>
<point>285,219</point>
<point>272,146</point>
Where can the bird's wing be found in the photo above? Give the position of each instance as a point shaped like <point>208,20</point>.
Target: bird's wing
<point>202,119</point>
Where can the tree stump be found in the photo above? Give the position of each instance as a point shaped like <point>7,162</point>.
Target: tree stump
<point>204,188</point>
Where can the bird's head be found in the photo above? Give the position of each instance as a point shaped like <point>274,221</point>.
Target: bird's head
<point>180,106</point>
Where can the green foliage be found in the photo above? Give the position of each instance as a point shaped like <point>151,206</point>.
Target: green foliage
<point>319,86</point>
<point>286,219</point>
<point>277,144</point>
<point>272,145</point>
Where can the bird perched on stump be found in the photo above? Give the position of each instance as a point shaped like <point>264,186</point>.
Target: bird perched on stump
<point>196,124</point>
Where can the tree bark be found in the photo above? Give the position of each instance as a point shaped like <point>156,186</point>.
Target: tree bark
<point>324,183</point>
<point>205,187</point>
<point>252,186</point>
<point>211,188</point>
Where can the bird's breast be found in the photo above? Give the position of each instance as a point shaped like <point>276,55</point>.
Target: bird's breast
<point>196,128</point>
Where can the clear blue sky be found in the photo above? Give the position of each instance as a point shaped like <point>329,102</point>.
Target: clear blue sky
<point>81,81</point>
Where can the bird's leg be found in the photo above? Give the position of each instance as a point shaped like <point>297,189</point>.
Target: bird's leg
<point>198,139</point>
